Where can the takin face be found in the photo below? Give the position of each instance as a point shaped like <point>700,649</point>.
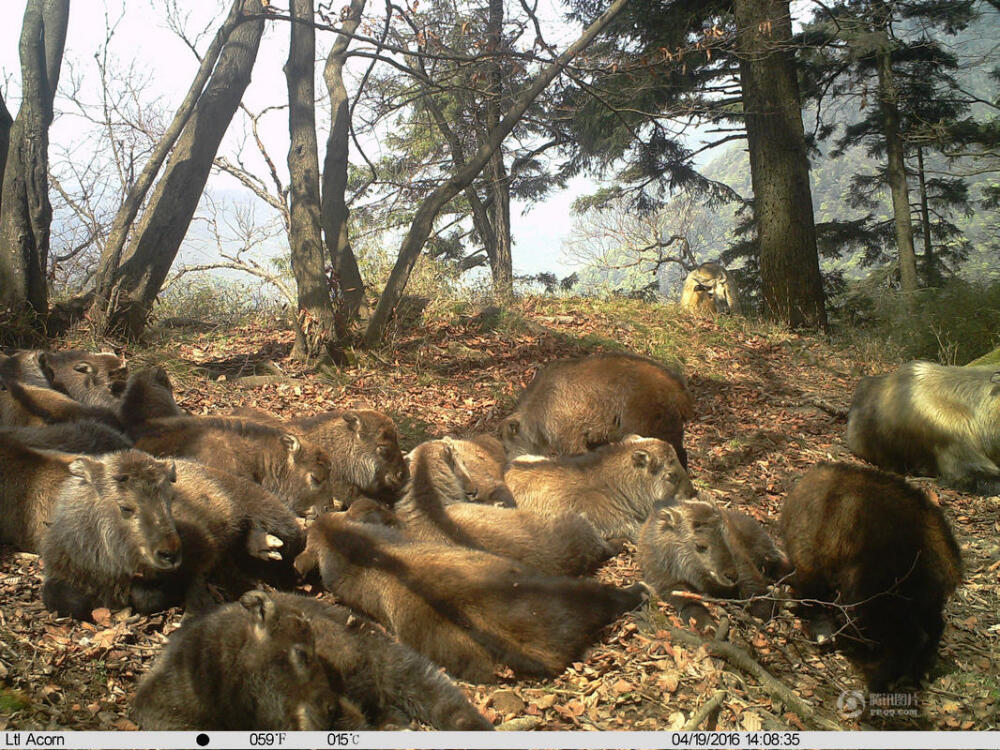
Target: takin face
<point>124,500</point>
<point>92,379</point>
<point>576,405</point>
<point>250,665</point>
<point>931,419</point>
<point>458,471</point>
<point>885,554</point>
<point>708,290</point>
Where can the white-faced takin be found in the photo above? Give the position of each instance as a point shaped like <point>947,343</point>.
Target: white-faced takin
<point>434,509</point>
<point>574,405</point>
<point>699,547</point>
<point>614,486</point>
<point>708,290</point>
<point>885,553</point>
<point>249,665</point>
<point>933,420</point>
<point>464,609</point>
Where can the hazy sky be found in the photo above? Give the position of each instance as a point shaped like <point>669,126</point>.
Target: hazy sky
<point>142,36</point>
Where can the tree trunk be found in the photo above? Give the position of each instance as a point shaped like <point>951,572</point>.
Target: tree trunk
<point>305,233</point>
<point>111,257</point>
<point>501,263</point>
<point>932,276</point>
<point>164,224</point>
<point>25,211</point>
<point>423,220</point>
<point>334,206</point>
<point>896,167</point>
<point>779,167</point>
<point>5,123</point>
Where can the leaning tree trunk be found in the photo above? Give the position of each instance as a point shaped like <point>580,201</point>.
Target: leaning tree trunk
<point>427,211</point>
<point>896,167</point>
<point>501,262</point>
<point>334,207</point>
<point>5,122</point>
<point>107,271</point>
<point>25,211</point>
<point>779,168</point>
<point>316,316</point>
<point>158,237</point>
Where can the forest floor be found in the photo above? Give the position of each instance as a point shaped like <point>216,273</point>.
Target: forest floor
<point>766,403</point>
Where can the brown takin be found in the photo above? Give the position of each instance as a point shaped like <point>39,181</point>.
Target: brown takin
<point>562,544</point>
<point>23,366</point>
<point>92,379</point>
<point>464,609</point>
<point>883,556</point>
<point>614,487</point>
<point>29,488</point>
<point>387,680</point>
<point>701,548</point>
<point>26,405</point>
<point>249,665</point>
<point>226,528</point>
<point>84,436</point>
<point>148,394</point>
<point>281,462</point>
<point>574,405</point>
<point>930,419</point>
<point>366,445</point>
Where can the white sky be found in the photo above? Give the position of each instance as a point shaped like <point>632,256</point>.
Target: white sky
<point>143,36</point>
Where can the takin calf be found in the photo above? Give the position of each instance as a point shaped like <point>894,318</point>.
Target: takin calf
<point>148,394</point>
<point>614,487</point>
<point>249,665</point>
<point>462,608</point>
<point>708,290</point>
<point>702,548</point>
<point>294,469</point>
<point>165,529</point>
<point>561,544</point>
<point>883,555</point>
<point>933,420</point>
<point>574,405</point>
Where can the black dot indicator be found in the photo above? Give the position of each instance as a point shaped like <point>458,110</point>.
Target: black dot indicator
<point>202,739</point>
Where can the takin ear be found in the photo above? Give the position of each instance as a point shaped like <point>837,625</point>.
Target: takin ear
<point>260,605</point>
<point>85,469</point>
<point>306,562</point>
<point>640,459</point>
<point>172,472</point>
<point>995,377</point>
<point>353,422</point>
<point>160,377</point>
<point>45,367</point>
<point>668,517</point>
<point>291,443</point>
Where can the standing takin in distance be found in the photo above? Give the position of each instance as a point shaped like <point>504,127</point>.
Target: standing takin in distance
<point>574,405</point>
<point>708,290</point>
<point>885,553</point>
<point>931,419</point>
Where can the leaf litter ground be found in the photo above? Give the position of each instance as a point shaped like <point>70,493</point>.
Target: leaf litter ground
<point>766,403</point>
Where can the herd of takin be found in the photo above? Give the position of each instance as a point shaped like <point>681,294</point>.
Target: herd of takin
<point>471,553</point>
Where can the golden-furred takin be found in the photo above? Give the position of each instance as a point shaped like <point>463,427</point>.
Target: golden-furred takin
<point>228,528</point>
<point>463,471</point>
<point>929,419</point>
<point>366,446</point>
<point>885,554</point>
<point>614,487</point>
<point>699,547</point>
<point>280,461</point>
<point>249,665</point>
<point>708,290</point>
<point>387,680</point>
<point>574,405</point>
<point>464,609</point>
<point>148,394</point>
<point>561,544</point>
